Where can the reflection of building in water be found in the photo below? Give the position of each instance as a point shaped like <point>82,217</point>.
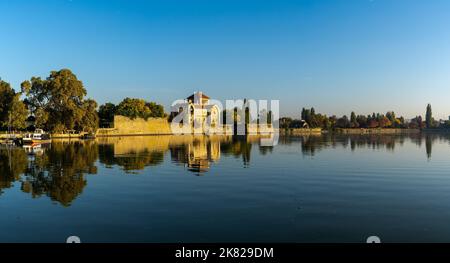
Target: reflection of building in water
<point>201,153</point>
<point>197,155</point>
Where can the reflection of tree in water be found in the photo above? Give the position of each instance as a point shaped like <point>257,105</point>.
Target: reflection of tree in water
<point>179,154</point>
<point>238,147</point>
<point>139,160</point>
<point>106,154</point>
<point>312,144</point>
<point>428,145</point>
<point>13,162</point>
<point>130,161</point>
<point>59,172</point>
<point>375,141</point>
<point>430,139</point>
<point>264,150</point>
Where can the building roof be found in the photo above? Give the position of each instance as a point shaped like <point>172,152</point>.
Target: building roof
<point>199,94</point>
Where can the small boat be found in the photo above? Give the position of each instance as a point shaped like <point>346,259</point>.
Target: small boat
<point>88,136</point>
<point>38,137</point>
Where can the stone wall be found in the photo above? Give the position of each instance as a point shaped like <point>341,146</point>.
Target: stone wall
<point>161,126</point>
<point>138,126</point>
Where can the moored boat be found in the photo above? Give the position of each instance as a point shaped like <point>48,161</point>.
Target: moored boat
<point>38,137</point>
<point>88,136</point>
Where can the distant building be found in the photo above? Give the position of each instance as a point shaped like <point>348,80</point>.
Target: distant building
<point>198,111</point>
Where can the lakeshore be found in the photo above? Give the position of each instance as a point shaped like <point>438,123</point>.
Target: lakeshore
<point>132,131</point>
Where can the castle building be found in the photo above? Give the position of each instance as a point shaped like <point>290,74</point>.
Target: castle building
<point>199,109</point>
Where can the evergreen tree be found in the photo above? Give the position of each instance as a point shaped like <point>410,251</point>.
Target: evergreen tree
<point>353,122</point>
<point>429,117</point>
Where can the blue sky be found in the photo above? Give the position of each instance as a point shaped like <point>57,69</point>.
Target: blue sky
<point>338,56</point>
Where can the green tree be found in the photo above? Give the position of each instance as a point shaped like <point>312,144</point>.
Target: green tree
<point>106,114</point>
<point>429,117</point>
<point>139,108</point>
<point>13,112</point>
<point>90,120</point>
<point>18,114</point>
<point>353,121</point>
<point>343,122</point>
<point>58,102</point>
<point>134,108</point>
<point>362,121</point>
<point>285,122</point>
<point>156,109</point>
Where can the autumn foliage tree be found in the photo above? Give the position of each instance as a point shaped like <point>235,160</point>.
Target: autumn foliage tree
<point>317,120</point>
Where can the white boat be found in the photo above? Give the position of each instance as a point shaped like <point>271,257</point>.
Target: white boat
<point>38,137</point>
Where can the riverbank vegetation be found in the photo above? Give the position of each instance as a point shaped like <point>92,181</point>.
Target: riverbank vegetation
<point>309,118</point>
<point>58,104</point>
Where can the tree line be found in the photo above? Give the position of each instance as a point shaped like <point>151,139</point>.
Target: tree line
<point>58,103</point>
<point>371,121</point>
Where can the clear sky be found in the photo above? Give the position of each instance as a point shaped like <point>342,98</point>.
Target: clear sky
<point>338,56</point>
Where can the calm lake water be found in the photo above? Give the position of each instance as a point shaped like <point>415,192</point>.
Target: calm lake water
<point>207,189</point>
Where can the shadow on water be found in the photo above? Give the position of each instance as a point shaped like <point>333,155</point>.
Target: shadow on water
<point>58,171</point>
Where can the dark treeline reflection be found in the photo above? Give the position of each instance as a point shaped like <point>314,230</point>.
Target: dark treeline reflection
<point>239,147</point>
<point>13,162</point>
<point>56,171</point>
<point>311,145</point>
<point>59,170</point>
<point>131,161</point>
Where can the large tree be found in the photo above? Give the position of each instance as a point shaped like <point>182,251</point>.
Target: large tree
<point>13,112</point>
<point>58,102</point>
